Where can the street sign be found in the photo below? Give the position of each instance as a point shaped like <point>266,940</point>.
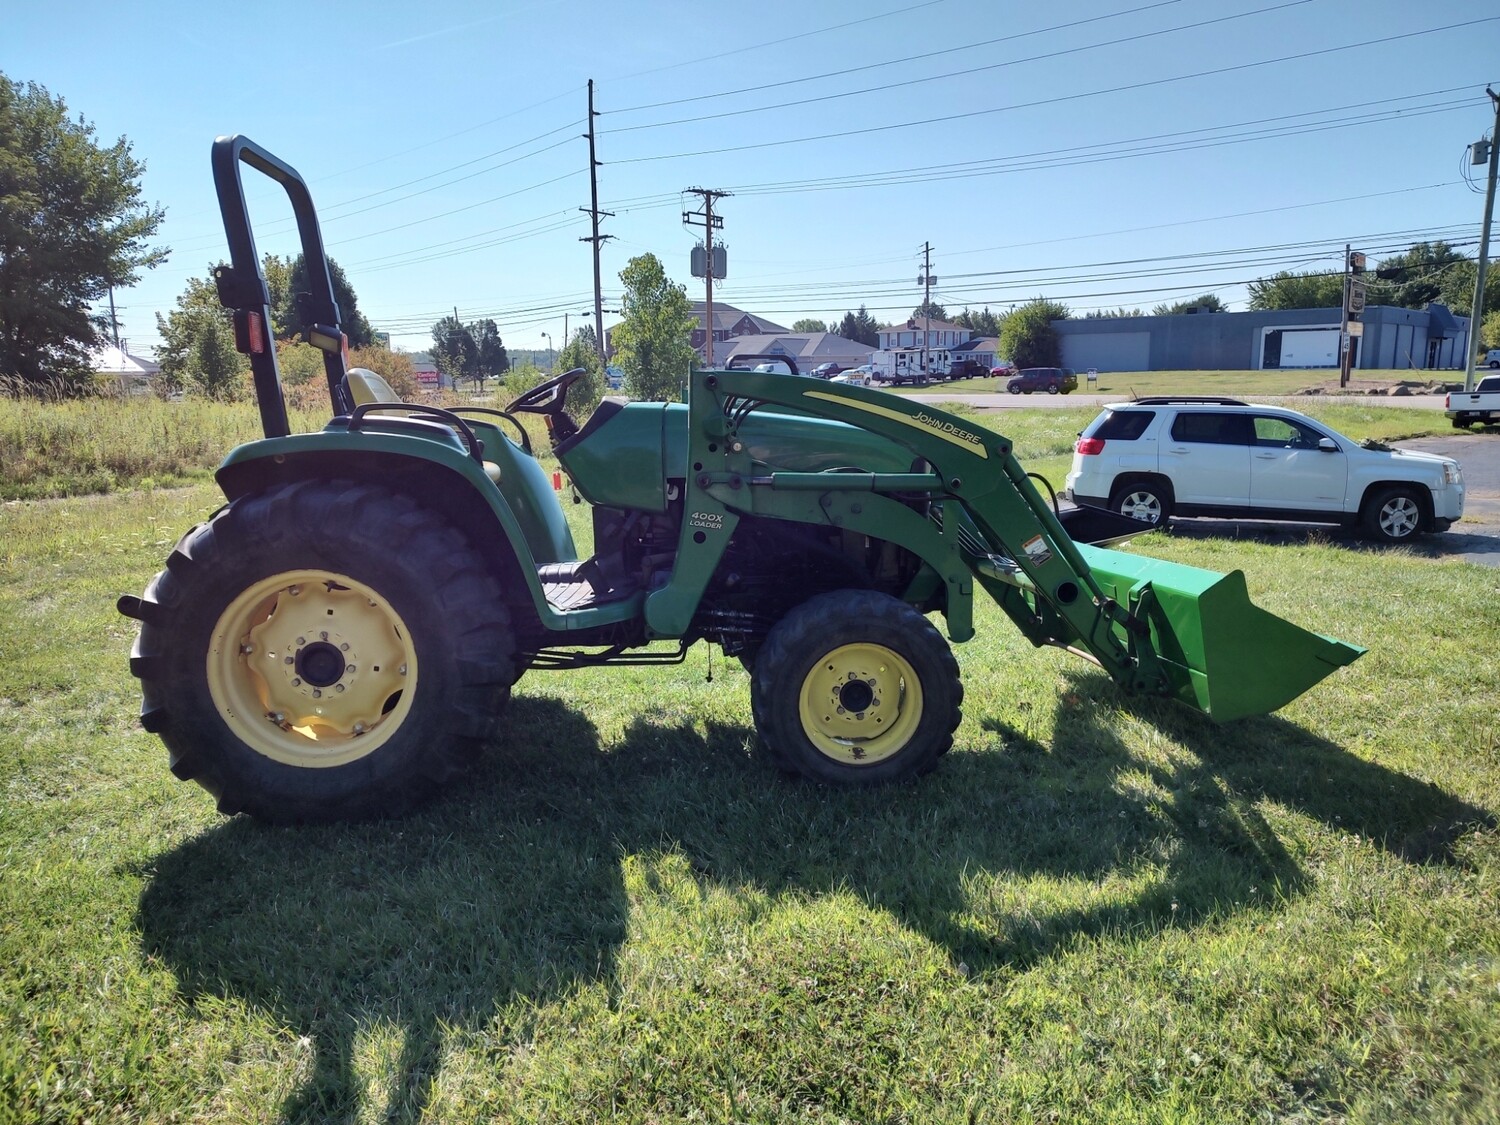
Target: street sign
<point>1356,296</point>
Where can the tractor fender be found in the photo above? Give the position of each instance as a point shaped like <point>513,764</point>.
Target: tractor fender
<point>440,478</point>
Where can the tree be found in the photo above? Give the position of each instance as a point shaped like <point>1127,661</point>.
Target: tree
<point>197,351</point>
<point>1027,337</point>
<point>1207,302</point>
<point>1432,272</point>
<point>287,312</point>
<point>983,323</point>
<point>1489,331</point>
<point>469,351</point>
<point>278,274</point>
<point>1287,290</point>
<point>490,358</point>
<point>860,327</point>
<point>931,309</point>
<point>653,341</point>
<point>582,351</point>
<point>72,225</point>
<point>1106,314</point>
<point>454,349</point>
<point>807,324</point>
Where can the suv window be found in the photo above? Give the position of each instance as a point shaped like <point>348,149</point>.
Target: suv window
<point>1124,425</point>
<point>1212,429</point>
<point>1279,433</point>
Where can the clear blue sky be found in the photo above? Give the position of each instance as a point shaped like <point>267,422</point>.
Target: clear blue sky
<point>1103,153</point>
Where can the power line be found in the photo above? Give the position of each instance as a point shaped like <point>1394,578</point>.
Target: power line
<point>699,60</point>
<point>905,60</point>
<point>962,73</point>
<point>1144,84</point>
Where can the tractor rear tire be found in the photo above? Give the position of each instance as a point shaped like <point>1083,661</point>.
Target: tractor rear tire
<point>856,688</point>
<point>323,651</point>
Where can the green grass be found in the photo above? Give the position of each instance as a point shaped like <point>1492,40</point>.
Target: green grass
<point>50,449</point>
<point>1096,909</point>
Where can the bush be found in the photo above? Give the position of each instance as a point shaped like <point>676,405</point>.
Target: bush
<point>521,379</point>
<point>1027,336</point>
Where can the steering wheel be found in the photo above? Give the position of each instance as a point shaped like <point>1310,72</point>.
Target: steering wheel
<point>549,398</point>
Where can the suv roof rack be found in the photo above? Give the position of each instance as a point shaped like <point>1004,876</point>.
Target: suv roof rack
<point>1169,400</point>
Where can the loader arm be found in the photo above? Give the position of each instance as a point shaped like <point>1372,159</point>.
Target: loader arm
<point>1155,627</point>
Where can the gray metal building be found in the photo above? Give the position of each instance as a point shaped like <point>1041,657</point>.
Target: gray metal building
<point>1418,339</point>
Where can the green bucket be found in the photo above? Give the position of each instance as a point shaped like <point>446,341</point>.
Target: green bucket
<point>1218,651</point>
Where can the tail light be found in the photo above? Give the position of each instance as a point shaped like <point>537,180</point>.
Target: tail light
<point>1448,402</point>
<point>1090,446</point>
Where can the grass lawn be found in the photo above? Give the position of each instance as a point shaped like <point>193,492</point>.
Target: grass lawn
<point>1096,909</point>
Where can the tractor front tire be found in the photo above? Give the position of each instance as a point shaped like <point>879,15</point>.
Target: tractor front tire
<point>855,688</point>
<point>323,651</point>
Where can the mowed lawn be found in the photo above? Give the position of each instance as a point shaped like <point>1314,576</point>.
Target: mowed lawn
<point>1098,908</point>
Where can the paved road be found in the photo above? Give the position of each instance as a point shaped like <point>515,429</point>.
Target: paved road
<point>1476,538</point>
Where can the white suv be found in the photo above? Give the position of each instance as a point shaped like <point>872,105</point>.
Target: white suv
<point>1157,457</point>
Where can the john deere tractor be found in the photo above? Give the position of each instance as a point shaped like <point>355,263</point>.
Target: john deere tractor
<point>341,638</point>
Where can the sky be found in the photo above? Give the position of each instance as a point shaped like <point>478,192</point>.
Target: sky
<point>1101,153</point>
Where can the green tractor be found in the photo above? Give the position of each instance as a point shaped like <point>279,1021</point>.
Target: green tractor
<point>340,639</point>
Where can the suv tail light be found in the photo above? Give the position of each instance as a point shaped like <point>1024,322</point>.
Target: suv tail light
<point>1090,446</point>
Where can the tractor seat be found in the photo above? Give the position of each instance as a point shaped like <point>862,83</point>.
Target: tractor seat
<point>366,386</point>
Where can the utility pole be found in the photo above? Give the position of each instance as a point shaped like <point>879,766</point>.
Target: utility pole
<point>114,322</point>
<point>1476,310</point>
<point>1352,327</point>
<point>926,281</point>
<point>711,222</point>
<point>594,213</point>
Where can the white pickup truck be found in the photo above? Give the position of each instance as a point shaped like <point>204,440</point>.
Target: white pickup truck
<point>1482,404</point>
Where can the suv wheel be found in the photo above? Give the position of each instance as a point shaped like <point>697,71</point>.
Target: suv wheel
<point>1013,387</point>
<point>1146,501</point>
<point>1394,515</point>
<point>1052,388</point>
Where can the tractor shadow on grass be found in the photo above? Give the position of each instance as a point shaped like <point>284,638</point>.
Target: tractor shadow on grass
<point>510,894</point>
<point>406,931</point>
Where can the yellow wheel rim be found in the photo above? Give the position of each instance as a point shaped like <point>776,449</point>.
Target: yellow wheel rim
<point>860,704</point>
<point>312,668</point>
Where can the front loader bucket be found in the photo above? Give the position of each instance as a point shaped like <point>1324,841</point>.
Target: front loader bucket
<point>1218,651</point>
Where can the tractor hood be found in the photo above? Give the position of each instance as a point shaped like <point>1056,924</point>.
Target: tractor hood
<point>627,452</point>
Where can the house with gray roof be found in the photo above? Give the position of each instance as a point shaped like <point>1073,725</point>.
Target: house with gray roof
<point>808,348</point>
<point>729,322</point>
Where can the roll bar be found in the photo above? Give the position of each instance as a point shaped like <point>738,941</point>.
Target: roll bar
<point>242,285</point>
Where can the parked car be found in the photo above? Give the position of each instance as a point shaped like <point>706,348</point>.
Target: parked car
<point>1158,457</point>
<point>859,376</point>
<point>1003,369</point>
<point>826,370</point>
<point>967,369</point>
<point>1053,380</point>
<point>1492,357</point>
